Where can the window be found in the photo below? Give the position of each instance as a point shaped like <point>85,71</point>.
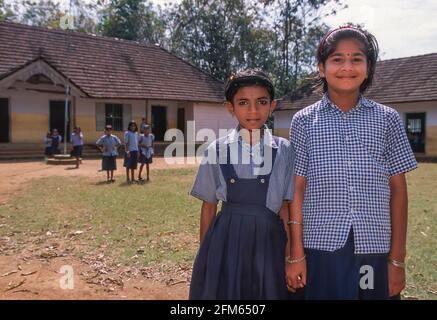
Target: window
<point>114,116</point>
<point>415,123</point>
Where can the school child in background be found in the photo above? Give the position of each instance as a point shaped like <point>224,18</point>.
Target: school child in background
<point>143,125</point>
<point>48,145</point>
<point>145,142</point>
<point>352,154</point>
<point>109,144</point>
<point>131,151</point>
<point>77,142</point>
<point>56,140</point>
<point>243,248</point>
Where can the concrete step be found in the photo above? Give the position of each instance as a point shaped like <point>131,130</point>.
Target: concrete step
<point>62,161</point>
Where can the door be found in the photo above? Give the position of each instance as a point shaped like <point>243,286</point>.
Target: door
<point>181,119</point>
<point>4,120</point>
<point>57,118</point>
<point>159,122</point>
<point>416,131</point>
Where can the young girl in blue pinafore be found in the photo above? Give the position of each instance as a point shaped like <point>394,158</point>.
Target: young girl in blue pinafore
<point>351,158</point>
<point>131,151</point>
<point>145,142</point>
<point>77,143</point>
<point>243,247</point>
<point>109,144</point>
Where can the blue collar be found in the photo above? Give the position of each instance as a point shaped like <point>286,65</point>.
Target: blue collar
<point>234,137</point>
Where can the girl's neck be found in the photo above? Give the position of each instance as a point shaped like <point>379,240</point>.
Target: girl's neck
<point>251,136</point>
<point>344,100</point>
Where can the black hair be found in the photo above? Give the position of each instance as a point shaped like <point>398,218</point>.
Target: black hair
<point>131,123</point>
<point>246,78</point>
<point>329,44</point>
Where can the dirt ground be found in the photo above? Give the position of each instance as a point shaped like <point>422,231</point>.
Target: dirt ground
<point>35,274</point>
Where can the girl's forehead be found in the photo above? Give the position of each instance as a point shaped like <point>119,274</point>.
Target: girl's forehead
<point>349,45</point>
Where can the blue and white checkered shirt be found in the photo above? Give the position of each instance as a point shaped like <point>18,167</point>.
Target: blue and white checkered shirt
<point>348,159</point>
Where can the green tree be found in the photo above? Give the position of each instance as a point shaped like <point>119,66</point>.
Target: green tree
<point>132,20</point>
<point>6,13</point>
<point>219,36</point>
<point>42,13</point>
<point>299,29</point>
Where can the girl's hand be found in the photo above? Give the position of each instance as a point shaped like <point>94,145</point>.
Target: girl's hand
<point>396,280</point>
<point>296,275</point>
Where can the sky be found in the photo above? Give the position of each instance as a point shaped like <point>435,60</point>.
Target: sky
<point>402,27</point>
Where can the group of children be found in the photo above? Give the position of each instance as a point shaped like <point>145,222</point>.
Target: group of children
<point>138,148</point>
<point>333,207</point>
<point>53,139</point>
<point>51,143</point>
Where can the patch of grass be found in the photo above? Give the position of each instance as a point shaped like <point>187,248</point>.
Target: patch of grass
<point>159,221</point>
<point>422,232</point>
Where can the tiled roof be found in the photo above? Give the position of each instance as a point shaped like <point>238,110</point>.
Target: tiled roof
<point>105,67</point>
<point>397,80</point>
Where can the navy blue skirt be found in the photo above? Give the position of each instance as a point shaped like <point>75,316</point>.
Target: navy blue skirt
<point>109,163</point>
<point>344,275</point>
<point>242,256</point>
<point>132,161</point>
<point>143,159</point>
<point>77,151</point>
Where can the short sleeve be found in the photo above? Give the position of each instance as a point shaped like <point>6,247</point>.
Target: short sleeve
<point>207,181</point>
<point>398,154</point>
<point>289,178</point>
<point>126,137</point>
<point>298,139</point>
<point>99,141</point>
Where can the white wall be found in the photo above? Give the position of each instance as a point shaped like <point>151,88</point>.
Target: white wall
<point>429,107</point>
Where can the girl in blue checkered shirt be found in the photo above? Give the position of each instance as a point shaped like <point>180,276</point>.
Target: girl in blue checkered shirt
<point>349,213</point>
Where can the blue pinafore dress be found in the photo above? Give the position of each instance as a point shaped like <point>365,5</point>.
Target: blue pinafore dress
<point>243,252</point>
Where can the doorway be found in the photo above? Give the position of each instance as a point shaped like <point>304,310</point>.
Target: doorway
<point>4,120</point>
<point>159,122</point>
<point>57,118</point>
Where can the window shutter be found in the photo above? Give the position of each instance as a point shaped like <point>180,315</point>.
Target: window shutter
<point>127,115</point>
<point>100,116</point>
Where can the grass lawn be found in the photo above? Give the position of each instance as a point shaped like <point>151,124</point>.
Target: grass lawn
<point>158,221</point>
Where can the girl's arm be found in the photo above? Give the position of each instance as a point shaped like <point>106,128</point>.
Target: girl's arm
<point>207,214</point>
<point>296,272</point>
<point>399,216</point>
<point>284,213</point>
<point>297,250</point>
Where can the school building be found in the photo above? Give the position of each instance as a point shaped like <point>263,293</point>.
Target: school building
<point>408,85</point>
<point>112,81</point>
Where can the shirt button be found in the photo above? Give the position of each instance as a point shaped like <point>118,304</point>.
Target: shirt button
<point>349,162</point>
<point>351,188</point>
<point>232,180</point>
<point>262,180</point>
<point>353,211</point>
<point>347,138</point>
